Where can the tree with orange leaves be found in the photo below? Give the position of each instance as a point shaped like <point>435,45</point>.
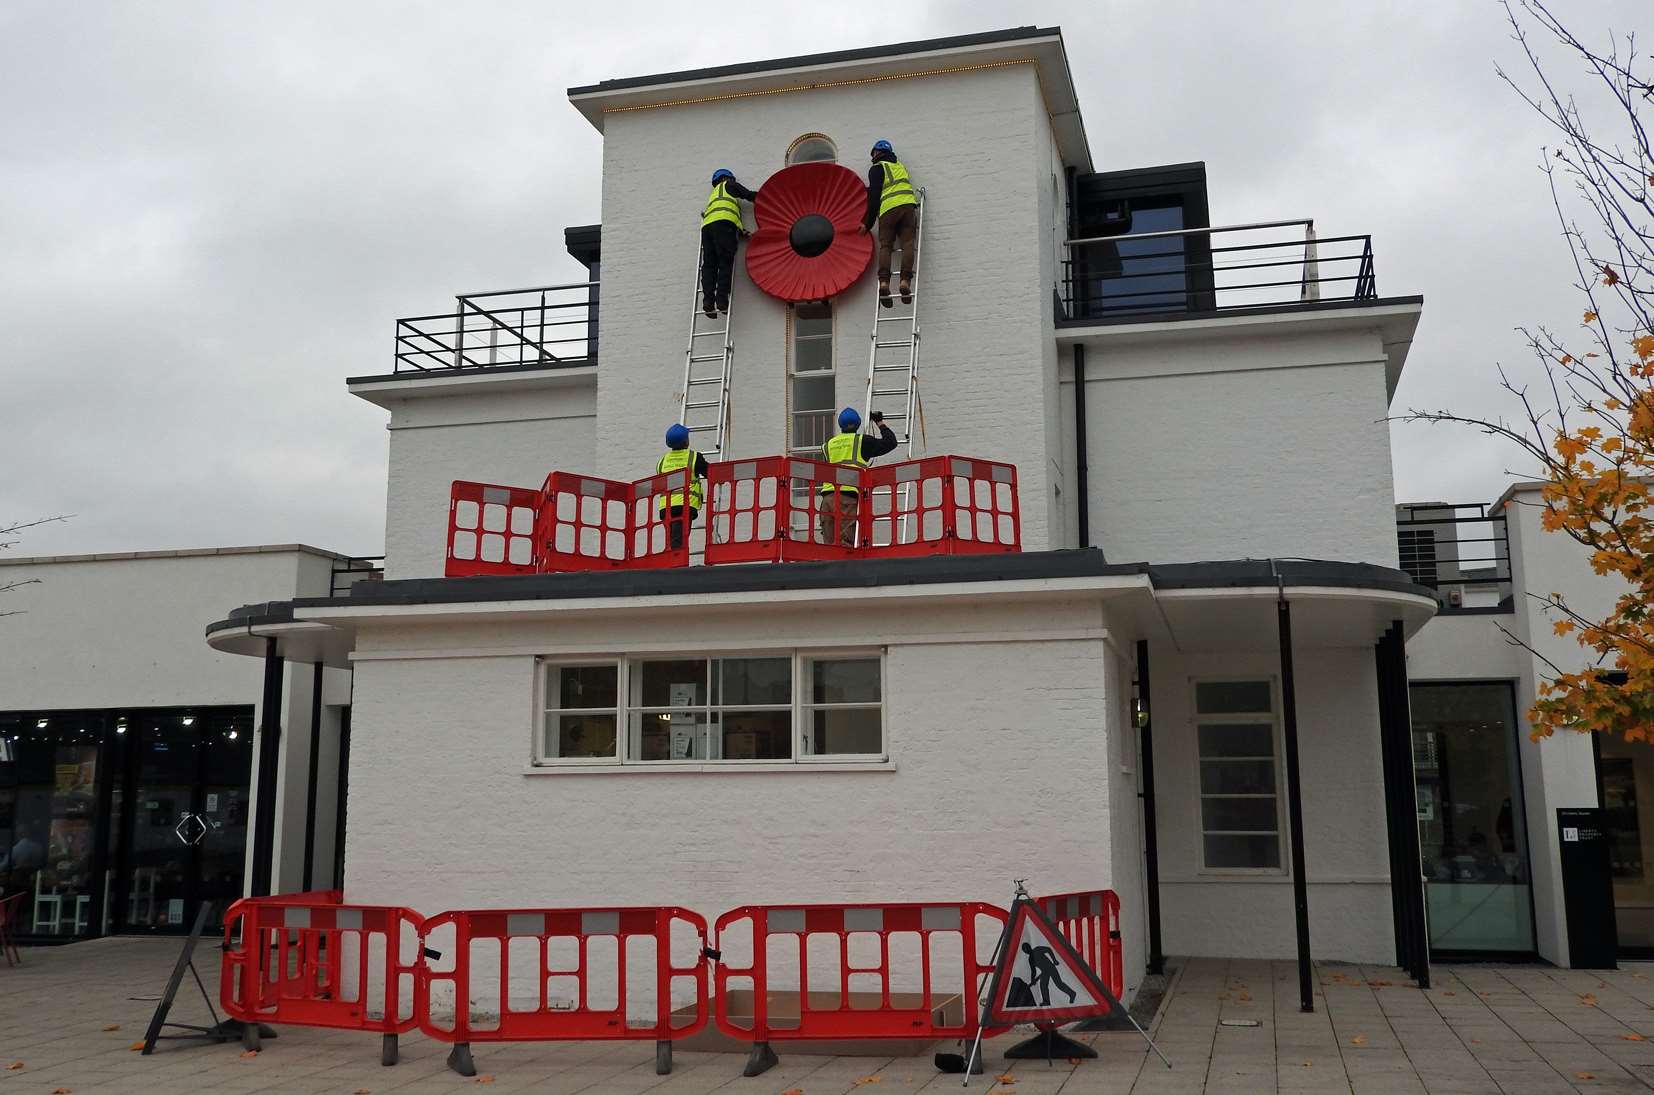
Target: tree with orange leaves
<point>1591,430</point>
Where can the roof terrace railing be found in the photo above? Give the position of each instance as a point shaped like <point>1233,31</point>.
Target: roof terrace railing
<point>1261,265</point>
<point>543,326</point>
<point>1461,551</point>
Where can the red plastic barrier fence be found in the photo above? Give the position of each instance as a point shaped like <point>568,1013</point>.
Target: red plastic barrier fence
<point>944,505</point>
<point>305,959</point>
<point>577,966</point>
<point>773,510</point>
<point>583,523</point>
<point>654,528</point>
<point>948,958</point>
<point>1090,921</point>
<point>491,530</point>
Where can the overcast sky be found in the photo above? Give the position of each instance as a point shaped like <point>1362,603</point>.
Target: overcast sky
<point>211,212</point>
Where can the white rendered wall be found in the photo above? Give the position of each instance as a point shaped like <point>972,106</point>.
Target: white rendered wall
<point>1008,778</point>
<point>1346,856</point>
<point>512,437</point>
<point>974,141</point>
<point>1238,445</point>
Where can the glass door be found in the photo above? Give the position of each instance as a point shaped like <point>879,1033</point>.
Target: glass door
<point>1625,774</point>
<point>184,836</point>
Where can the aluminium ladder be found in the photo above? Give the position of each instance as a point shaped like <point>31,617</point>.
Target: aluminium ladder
<point>893,376</point>
<point>708,364</point>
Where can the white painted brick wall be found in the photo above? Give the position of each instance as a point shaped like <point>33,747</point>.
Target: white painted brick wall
<point>1345,847</point>
<point>1196,454</point>
<point>513,439</point>
<point>973,140</point>
<point>1005,779</point>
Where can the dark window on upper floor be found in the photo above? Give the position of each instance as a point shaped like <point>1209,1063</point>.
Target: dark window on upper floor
<point>1118,274</point>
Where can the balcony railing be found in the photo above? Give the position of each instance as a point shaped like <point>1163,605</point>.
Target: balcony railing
<point>1266,265</point>
<point>545,326</point>
<point>1462,552</point>
<point>358,568</point>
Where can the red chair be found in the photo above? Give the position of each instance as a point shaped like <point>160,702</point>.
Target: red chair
<point>9,907</point>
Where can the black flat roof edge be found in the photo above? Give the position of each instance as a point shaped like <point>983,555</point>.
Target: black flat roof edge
<point>473,370</point>
<point>926,45</point>
<point>839,574</point>
<point>1250,310</point>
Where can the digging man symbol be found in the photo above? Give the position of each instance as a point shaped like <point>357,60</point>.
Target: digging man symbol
<point>1043,971</point>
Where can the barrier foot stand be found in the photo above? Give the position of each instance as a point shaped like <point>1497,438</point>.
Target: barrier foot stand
<point>459,1059</point>
<point>761,1060</point>
<point>663,1058</point>
<point>1051,1045</point>
<point>389,1051</point>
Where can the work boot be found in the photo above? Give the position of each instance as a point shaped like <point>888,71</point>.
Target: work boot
<point>708,309</point>
<point>884,294</point>
<point>907,291</point>
<point>723,307</point>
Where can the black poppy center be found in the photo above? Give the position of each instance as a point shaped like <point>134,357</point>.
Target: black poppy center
<point>811,235</point>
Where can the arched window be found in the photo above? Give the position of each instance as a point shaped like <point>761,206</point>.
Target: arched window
<point>812,148</point>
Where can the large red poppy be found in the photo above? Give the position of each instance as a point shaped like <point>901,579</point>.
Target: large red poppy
<point>807,246</point>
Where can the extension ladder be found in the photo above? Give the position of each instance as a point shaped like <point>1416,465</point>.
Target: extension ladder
<point>893,379</point>
<point>707,367</point>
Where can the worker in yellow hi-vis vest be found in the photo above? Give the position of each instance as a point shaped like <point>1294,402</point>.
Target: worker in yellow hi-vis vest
<point>721,232</point>
<point>893,202</point>
<point>680,506</point>
<point>837,506</point>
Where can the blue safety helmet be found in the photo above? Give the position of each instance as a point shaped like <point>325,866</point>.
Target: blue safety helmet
<point>722,173</point>
<point>677,436</point>
<point>883,146</point>
<point>849,420</point>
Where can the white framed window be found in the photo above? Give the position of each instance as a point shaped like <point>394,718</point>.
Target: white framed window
<point>581,717</point>
<point>812,148</point>
<point>1236,736</point>
<point>775,707</point>
<point>812,380</point>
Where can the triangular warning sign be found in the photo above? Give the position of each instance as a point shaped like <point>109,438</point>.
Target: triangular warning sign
<point>1040,977</point>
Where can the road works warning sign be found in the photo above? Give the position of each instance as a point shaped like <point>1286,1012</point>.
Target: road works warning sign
<point>1040,977</point>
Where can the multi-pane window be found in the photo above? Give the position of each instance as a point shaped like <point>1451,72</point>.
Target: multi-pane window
<point>1239,806</point>
<point>813,382</point>
<point>758,707</point>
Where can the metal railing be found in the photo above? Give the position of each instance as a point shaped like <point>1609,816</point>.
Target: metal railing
<point>544,326</point>
<point>1462,552</point>
<point>357,568</point>
<point>1267,264</point>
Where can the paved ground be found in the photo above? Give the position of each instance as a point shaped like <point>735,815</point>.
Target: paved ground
<point>69,1016</point>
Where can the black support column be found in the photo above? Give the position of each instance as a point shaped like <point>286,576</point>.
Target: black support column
<point>1401,807</point>
<point>269,757</point>
<point>315,757</point>
<point>1295,805</point>
<point>1151,841</point>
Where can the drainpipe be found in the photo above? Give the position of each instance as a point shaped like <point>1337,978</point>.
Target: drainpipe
<point>1081,484</point>
<point>315,756</point>
<point>1151,840</point>
<point>269,754</point>
<point>1294,801</point>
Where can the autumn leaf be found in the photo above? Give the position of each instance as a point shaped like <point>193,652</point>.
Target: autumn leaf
<point>14,1066</point>
<point>1589,1000</point>
<point>485,1078</point>
<point>793,1091</point>
<point>365,1091</point>
<point>249,1053</point>
<point>1608,275</point>
<point>62,1091</point>
<point>1306,1064</point>
<point>1359,1040</point>
<point>1007,1079</point>
<point>136,1046</point>
<point>1633,1038</point>
<point>1475,1041</point>
<point>1244,996</point>
<point>112,1026</point>
<point>1379,984</point>
<point>1450,992</point>
<point>1590,316</point>
<point>1585,1075</point>
<point>868,1080</point>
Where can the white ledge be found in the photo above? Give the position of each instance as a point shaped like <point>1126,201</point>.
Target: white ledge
<point>671,769</point>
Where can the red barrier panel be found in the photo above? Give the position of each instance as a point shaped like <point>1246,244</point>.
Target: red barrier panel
<point>948,958</point>
<point>944,505</point>
<point>582,523</point>
<point>654,528</point>
<point>773,510</point>
<point>305,959</point>
<point>1090,921</point>
<point>578,969</point>
<point>491,530</point>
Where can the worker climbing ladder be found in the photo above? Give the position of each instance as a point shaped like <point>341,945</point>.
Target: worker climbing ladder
<point>893,380</point>
<point>707,367</point>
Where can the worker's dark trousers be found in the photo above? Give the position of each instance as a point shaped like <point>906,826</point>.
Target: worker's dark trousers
<point>718,242</point>
<point>897,227</point>
<point>675,525</point>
